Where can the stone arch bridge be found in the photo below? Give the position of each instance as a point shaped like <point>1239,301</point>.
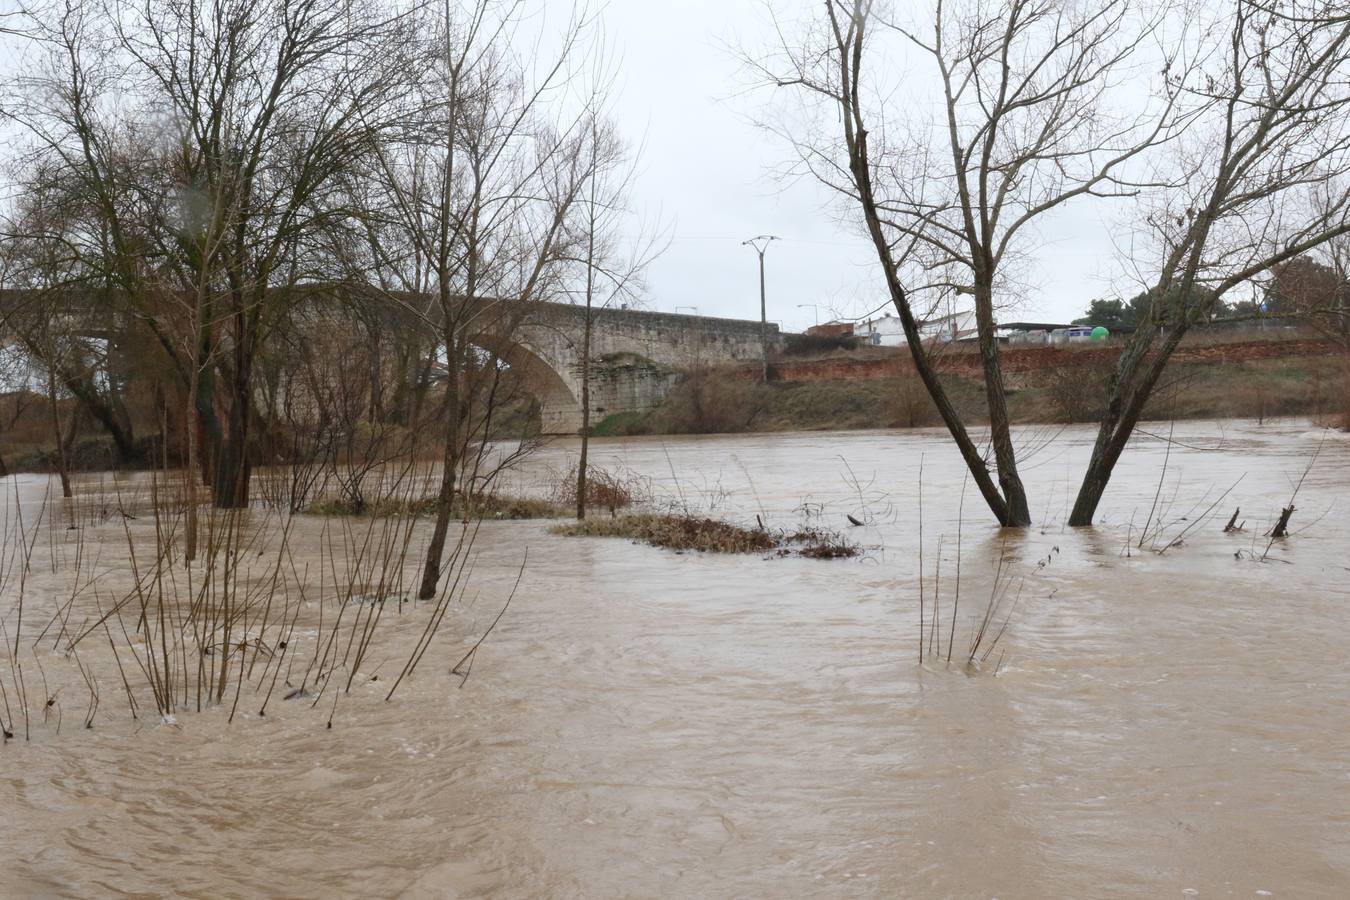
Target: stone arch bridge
<point>636,356</point>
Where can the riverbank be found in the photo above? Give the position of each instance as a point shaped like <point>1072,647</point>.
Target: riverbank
<point>822,386</point>
<point>725,401</point>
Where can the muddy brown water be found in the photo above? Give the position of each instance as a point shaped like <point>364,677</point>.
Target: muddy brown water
<point>650,724</point>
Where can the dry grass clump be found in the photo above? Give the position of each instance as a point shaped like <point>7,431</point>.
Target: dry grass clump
<point>375,509</point>
<point>687,532</point>
<point>486,506</point>
<point>675,532</point>
<point>814,543</point>
<point>604,489</point>
<point>501,506</point>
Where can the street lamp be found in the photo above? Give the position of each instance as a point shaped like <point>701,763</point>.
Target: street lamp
<point>815,308</point>
<point>760,243</point>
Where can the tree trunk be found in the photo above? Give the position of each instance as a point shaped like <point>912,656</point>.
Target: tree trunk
<point>431,574</point>
<point>860,167</point>
<point>1000,430</point>
<point>108,413</point>
<point>234,468</point>
<point>191,425</point>
<point>229,488</point>
<point>586,354</point>
<point>1133,383</point>
<point>1105,452</point>
<point>445,497</point>
<point>111,413</point>
<point>62,464</point>
<point>1344,411</point>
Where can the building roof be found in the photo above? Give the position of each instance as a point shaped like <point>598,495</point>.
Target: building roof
<point>1032,326</point>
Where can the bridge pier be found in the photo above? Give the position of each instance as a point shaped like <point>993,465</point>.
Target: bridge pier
<point>559,417</point>
<point>618,385</point>
<point>636,356</point>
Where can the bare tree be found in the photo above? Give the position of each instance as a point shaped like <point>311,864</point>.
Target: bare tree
<point>468,226</point>
<point>1321,299</point>
<point>46,306</point>
<point>1238,157</point>
<point>612,268</point>
<point>952,177</point>
<point>38,276</point>
<point>1315,289</point>
<point>45,350</point>
<point>1257,180</point>
<point>203,139</point>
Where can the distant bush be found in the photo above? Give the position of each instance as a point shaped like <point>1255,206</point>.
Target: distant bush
<point>706,401</point>
<point>811,344</point>
<point>811,405</point>
<point>1079,393</point>
<point>910,405</point>
<point>1257,389</point>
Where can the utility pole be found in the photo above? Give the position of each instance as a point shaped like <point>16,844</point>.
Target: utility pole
<point>760,243</point>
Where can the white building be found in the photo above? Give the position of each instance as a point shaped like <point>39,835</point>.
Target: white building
<point>883,332</point>
<point>887,331</point>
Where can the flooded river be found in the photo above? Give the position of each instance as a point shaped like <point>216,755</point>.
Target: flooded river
<point>644,723</point>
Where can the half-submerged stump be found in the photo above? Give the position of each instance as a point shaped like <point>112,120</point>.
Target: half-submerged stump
<point>1282,527</point>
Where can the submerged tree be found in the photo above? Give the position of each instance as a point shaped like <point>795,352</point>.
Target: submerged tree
<point>201,142</point>
<point>611,268</point>
<point>237,188</point>
<point>466,219</point>
<point>1235,156</point>
<point>1257,180</point>
<point>952,177</point>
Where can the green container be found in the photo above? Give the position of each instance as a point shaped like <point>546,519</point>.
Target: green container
<point>1099,334</point>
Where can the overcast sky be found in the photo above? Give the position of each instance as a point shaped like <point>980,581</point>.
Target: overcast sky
<point>708,170</point>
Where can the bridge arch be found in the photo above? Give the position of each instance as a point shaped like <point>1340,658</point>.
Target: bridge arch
<point>557,390</point>
<point>636,356</point>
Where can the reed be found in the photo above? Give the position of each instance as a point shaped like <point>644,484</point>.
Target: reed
<point>986,633</point>
<point>269,607</point>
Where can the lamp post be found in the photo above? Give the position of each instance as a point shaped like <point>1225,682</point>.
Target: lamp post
<point>815,309</point>
<point>760,243</point>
